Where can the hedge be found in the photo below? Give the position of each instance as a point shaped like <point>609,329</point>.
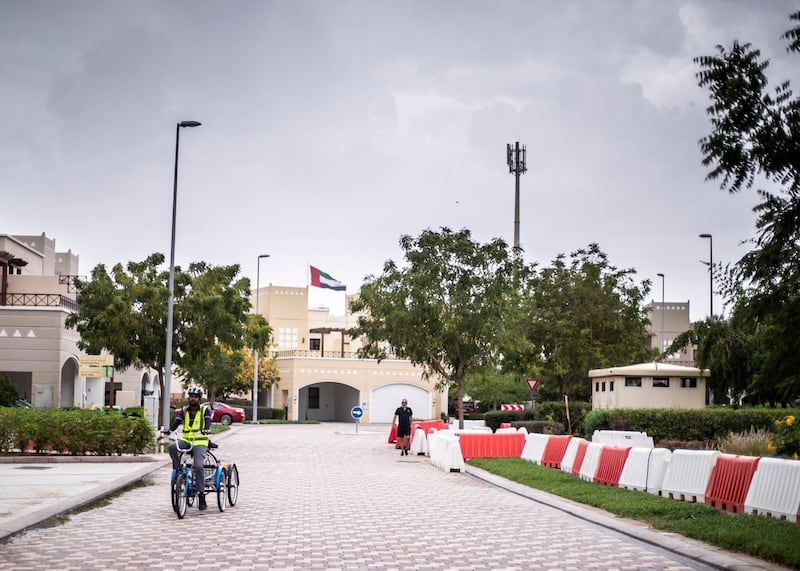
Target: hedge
<point>687,425</point>
<point>74,431</point>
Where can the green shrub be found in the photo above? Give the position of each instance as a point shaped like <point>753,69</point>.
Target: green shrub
<point>787,437</point>
<point>540,426</point>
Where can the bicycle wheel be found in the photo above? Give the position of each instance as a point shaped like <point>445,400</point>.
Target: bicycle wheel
<point>233,484</point>
<point>181,495</point>
<point>172,491</point>
<point>222,490</point>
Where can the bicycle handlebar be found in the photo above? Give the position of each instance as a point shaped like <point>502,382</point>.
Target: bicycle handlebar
<point>195,436</point>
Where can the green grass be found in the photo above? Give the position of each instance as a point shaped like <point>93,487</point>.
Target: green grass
<point>766,538</point>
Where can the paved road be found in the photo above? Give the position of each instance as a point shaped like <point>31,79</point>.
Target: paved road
<point>324,497</point>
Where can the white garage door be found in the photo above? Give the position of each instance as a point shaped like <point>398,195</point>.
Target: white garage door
<point>387,398</point>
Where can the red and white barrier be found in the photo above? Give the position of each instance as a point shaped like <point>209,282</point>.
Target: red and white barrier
<point>612,461</point>
<point>591,460</point>
<point>645,469</point>
<point>555,450</point>
<point>627,438</point>
<point>730,481</point>
<point>512,407</point>
<point>573,456</point>
<point>775,489</point>
<point>535,445</point>
<point>688,475</point>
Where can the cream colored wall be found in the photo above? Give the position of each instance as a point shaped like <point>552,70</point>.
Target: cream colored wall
<point>647,396</point>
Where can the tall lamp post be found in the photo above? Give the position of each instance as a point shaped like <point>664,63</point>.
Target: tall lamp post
<point>170,304</point>
<point>662,311</point>
<point>255,351</point>
<point>710,273</point>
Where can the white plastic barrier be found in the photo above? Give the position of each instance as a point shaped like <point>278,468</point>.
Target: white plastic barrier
<point>623,438</point>
<point>469,424</point>
<point>775,489</point>
<point>523,430</point>
<point>569,456</point>
<point>445,453</point>
<point>534,447</point>
<point>590,461</point>
<point>645,469</point>
<point>419,444</point>
<point>505,431</point>
<point>688,474</point>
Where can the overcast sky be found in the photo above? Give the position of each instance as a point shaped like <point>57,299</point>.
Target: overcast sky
<point>331,128</point>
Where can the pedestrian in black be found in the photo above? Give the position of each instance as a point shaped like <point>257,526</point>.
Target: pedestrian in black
<point>402,417</point>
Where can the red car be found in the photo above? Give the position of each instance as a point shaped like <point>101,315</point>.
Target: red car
<point>225,414</point>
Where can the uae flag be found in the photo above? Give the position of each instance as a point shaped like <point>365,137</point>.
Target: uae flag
<point>321,279</point>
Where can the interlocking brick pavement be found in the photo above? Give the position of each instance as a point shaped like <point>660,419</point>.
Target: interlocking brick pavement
<point>323,497</point>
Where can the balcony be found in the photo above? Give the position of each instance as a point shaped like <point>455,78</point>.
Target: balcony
<point>38,300</point>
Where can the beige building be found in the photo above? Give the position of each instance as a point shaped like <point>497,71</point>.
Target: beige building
<point>649,385</point>
<point>321,376</point>
<point>675,316</point>
<point>37,352</point>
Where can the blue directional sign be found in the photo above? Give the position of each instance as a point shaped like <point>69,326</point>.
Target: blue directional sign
<point>356,412</point>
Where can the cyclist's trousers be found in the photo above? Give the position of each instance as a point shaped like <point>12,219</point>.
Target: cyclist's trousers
<point>198,454</point>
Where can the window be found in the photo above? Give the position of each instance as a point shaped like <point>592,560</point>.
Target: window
<point>604,386</point>
<point>611,386</point>
<point>633,381</point>
<point>661,382</point>
<point>688,383</point>
<point>597,386</point>
<point>313,397</point>
<point>313,344</point>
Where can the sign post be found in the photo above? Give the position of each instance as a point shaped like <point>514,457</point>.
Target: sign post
<point>357,412</point>
<point>533,382</point>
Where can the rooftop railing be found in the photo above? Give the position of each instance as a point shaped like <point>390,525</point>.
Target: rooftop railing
<point>39,300</point>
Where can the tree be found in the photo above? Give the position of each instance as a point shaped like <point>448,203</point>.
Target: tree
<point>492,386</point>
<point>445,311</point>
<point>754,138</point>
<point>585,315</point>
<point>125,313</point>
<point>8,391</point>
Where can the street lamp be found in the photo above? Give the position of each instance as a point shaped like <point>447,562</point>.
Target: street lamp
<point>171,302</point>
<point>662,311</point>
<point>255,351</point>
<point>710,265</point>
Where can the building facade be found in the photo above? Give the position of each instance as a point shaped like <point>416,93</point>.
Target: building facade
<point>649,385</point>
<point>37,352</point>
<point>321,378</point>
<point>671,317</point>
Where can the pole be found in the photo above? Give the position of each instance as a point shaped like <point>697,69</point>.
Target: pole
<point>662,311</point>
<point>710,273</point>
<point>255,351</point>
<point>165,420</point>
<point>515,159</point>
<point>171,302</point>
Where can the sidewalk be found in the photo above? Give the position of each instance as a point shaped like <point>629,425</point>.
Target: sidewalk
<point>36,489</point>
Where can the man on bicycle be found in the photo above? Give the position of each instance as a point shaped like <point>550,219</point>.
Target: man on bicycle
<point>196,422</point>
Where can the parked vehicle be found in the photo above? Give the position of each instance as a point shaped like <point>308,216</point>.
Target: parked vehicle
<point>225,414</point>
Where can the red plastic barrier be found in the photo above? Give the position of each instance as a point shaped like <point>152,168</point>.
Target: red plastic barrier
<point>730,481</point>
<point>427,426</point>
<point>393,434</point>
<point>486,445</point>
<point>609,467</point>
<point>579,456</point>
<point>505,425</point>
<point>554,451</point>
